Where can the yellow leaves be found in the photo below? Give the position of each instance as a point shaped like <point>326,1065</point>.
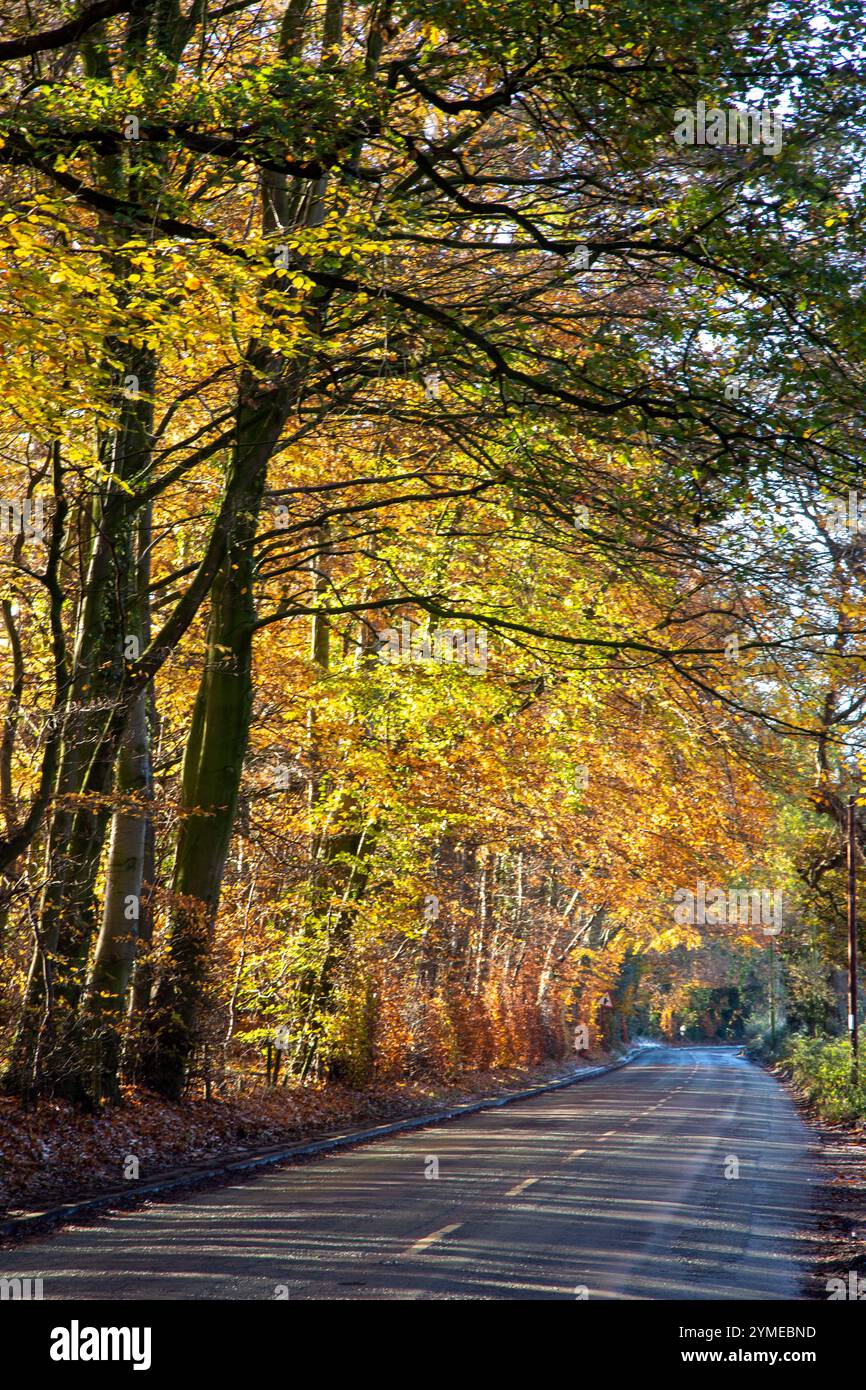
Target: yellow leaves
<point>672,937</point>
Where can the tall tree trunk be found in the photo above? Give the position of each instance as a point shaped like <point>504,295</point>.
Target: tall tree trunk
<point>142,978</point>
<point>342,865</point>
<point>213,759</point>
<point>98,1031</point>
<point>214,755</point>
<point>99,1027</point>
<point>68,911</point>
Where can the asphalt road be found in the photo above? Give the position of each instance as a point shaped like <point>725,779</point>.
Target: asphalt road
<point>613,1189</point>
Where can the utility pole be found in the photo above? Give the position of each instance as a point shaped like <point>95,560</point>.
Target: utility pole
<point>852,935</point>
<point>772,964</point>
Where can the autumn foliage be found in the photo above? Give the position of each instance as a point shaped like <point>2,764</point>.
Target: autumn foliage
<point>379,524</point>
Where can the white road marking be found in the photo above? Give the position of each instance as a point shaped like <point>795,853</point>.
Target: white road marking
<point>521,1187</point>
<point>433,1236</point>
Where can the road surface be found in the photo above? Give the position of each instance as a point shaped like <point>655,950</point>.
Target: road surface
<point>613,1189</point>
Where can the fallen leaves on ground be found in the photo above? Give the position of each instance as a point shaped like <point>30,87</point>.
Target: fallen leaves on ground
<point>53,1153</point>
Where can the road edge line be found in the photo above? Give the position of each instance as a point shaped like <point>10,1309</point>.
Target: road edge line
<point>121,1199</point>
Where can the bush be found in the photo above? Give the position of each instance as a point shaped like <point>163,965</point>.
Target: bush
<point>821,1069</point>
<point>764,1042</point>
